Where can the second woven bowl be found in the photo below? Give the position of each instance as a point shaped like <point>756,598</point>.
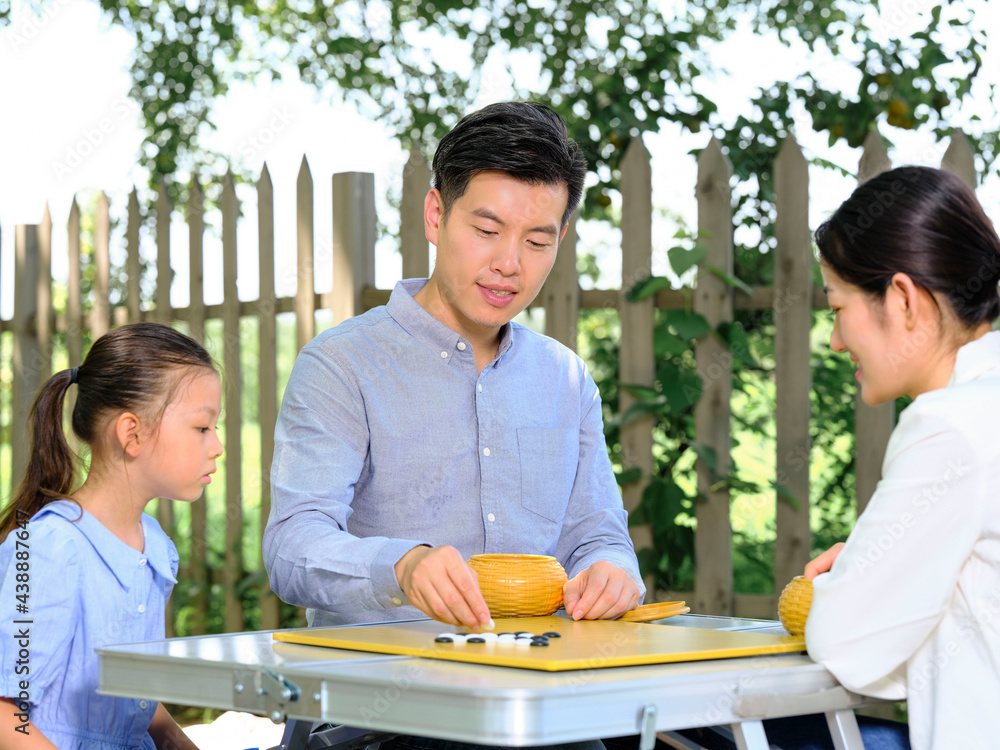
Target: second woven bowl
<point>520,585</point>
<point>794,604</point>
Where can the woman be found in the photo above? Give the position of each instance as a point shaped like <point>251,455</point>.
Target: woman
<point>909,606</point>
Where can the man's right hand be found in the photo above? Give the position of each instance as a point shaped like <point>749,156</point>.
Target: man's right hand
<point>439,583</point>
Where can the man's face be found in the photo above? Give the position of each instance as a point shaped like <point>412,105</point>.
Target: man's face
<point>494,251</point>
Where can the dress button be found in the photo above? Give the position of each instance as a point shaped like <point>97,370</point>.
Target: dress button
<point>142,561</point>
<point>486,451</point>
<point>396,600</point>
<point>491,517</point>
<point>461,346</point>
<point>142,608</point>
<point>444,355</point>
<point>143,705</point>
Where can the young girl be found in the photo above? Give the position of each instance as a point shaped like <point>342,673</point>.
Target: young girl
<point>909,607</point>
<point>84,567</point>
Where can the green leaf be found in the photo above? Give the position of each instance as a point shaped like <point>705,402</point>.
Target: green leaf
<point>666,344</point>
<point>629,475</point>
<point>739,344</point>
<point>728,278</point>
<point>689,325</point>
<point>786,496</point>
<point>682,259</point>
<point>707,454</point>
<point>647,288</point>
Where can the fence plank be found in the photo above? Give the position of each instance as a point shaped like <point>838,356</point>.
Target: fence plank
<point>26,355</point>
<point>354,232</point>
<point>636,362</point>
<point>561,292</point>
<point>133,299</point>
<point>793,378</point>
<point>267,368</point>
<point>233,617</point>
<point>413,243</point>
<point>100,319</point>
<point>74,311</point>
<point>872,424</point>
<point>714,300</point>
<point>162,314</point>
<point>45,316</point>
<point>74,305</point>
<point>959,158</point>
<point>305,297</point>
<point>198,564</point>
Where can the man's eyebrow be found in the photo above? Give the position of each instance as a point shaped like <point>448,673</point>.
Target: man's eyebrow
<point>486,213</point>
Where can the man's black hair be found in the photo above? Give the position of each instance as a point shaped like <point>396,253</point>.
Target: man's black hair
<point>525,140</point>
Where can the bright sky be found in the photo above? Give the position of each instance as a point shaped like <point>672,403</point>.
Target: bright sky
<point>68,127</point>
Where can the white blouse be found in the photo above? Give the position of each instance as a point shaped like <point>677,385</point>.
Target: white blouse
<point>911,607</point>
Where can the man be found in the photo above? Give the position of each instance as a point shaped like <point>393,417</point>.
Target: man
<point>420,433</point>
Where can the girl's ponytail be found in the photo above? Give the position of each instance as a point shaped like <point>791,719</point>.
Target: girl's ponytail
<point>50,470</point>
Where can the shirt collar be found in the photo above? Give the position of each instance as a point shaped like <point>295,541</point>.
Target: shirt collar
<point>978,359</point>
<point>121,559</point>
<point>427,329</point>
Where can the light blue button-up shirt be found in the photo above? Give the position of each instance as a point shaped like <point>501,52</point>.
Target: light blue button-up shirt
<point>87,589</point>
<point>389,437</point>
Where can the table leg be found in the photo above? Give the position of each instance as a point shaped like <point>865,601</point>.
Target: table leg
<point>749,735</point>
<point>844,730</point>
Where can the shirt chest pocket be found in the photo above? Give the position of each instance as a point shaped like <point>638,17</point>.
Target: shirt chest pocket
<point>548,459</point>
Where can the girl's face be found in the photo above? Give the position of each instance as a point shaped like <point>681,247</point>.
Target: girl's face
<point>185,444</point>
<point>904,344</point>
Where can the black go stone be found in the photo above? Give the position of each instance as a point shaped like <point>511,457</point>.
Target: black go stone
<point>552,634</point>
<point>539,642</point>
<point>443,639</point>
<point>475,640</point>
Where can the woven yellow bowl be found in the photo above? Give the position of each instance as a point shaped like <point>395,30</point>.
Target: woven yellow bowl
<point>520,585</point>
<point>794,604</point>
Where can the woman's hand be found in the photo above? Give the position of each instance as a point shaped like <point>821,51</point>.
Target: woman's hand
<point>823,561</point>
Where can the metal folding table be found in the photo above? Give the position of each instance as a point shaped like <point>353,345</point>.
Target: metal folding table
<point>484,704</point>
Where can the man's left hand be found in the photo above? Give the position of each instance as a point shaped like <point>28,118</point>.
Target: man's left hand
<point>601,592</point>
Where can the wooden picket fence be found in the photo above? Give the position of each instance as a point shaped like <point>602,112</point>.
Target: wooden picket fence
<point>792,298</point>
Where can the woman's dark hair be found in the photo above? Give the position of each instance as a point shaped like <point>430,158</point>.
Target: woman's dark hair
<point>132,368</point>
<point>926,223</point>
<point>525,140</point>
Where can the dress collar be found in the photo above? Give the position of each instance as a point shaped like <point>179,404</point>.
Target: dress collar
<point>118,556</point>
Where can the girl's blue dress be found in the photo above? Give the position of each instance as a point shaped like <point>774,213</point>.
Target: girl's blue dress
<point>86,589</point>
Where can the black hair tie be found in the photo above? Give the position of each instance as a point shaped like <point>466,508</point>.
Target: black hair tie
<point>74,375</point>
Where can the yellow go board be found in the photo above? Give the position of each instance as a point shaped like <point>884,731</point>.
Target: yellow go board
<point>584,644</point>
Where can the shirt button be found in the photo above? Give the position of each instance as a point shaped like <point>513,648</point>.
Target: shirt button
<point>480,387</point>
<point>396,600</point>
<point>142,561</point>
<point>461,346</point>
<point>143,705</point>
<point>444,355</point>
<point>142,608</point>
<point>491,517</point>
<point>486,451</point>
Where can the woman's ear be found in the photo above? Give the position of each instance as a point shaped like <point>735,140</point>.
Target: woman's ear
<point>127,433</point>
<point>910,300</point>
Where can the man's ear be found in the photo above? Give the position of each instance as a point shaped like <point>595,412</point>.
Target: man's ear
<point>433,215</point>
<point>127,429</point>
